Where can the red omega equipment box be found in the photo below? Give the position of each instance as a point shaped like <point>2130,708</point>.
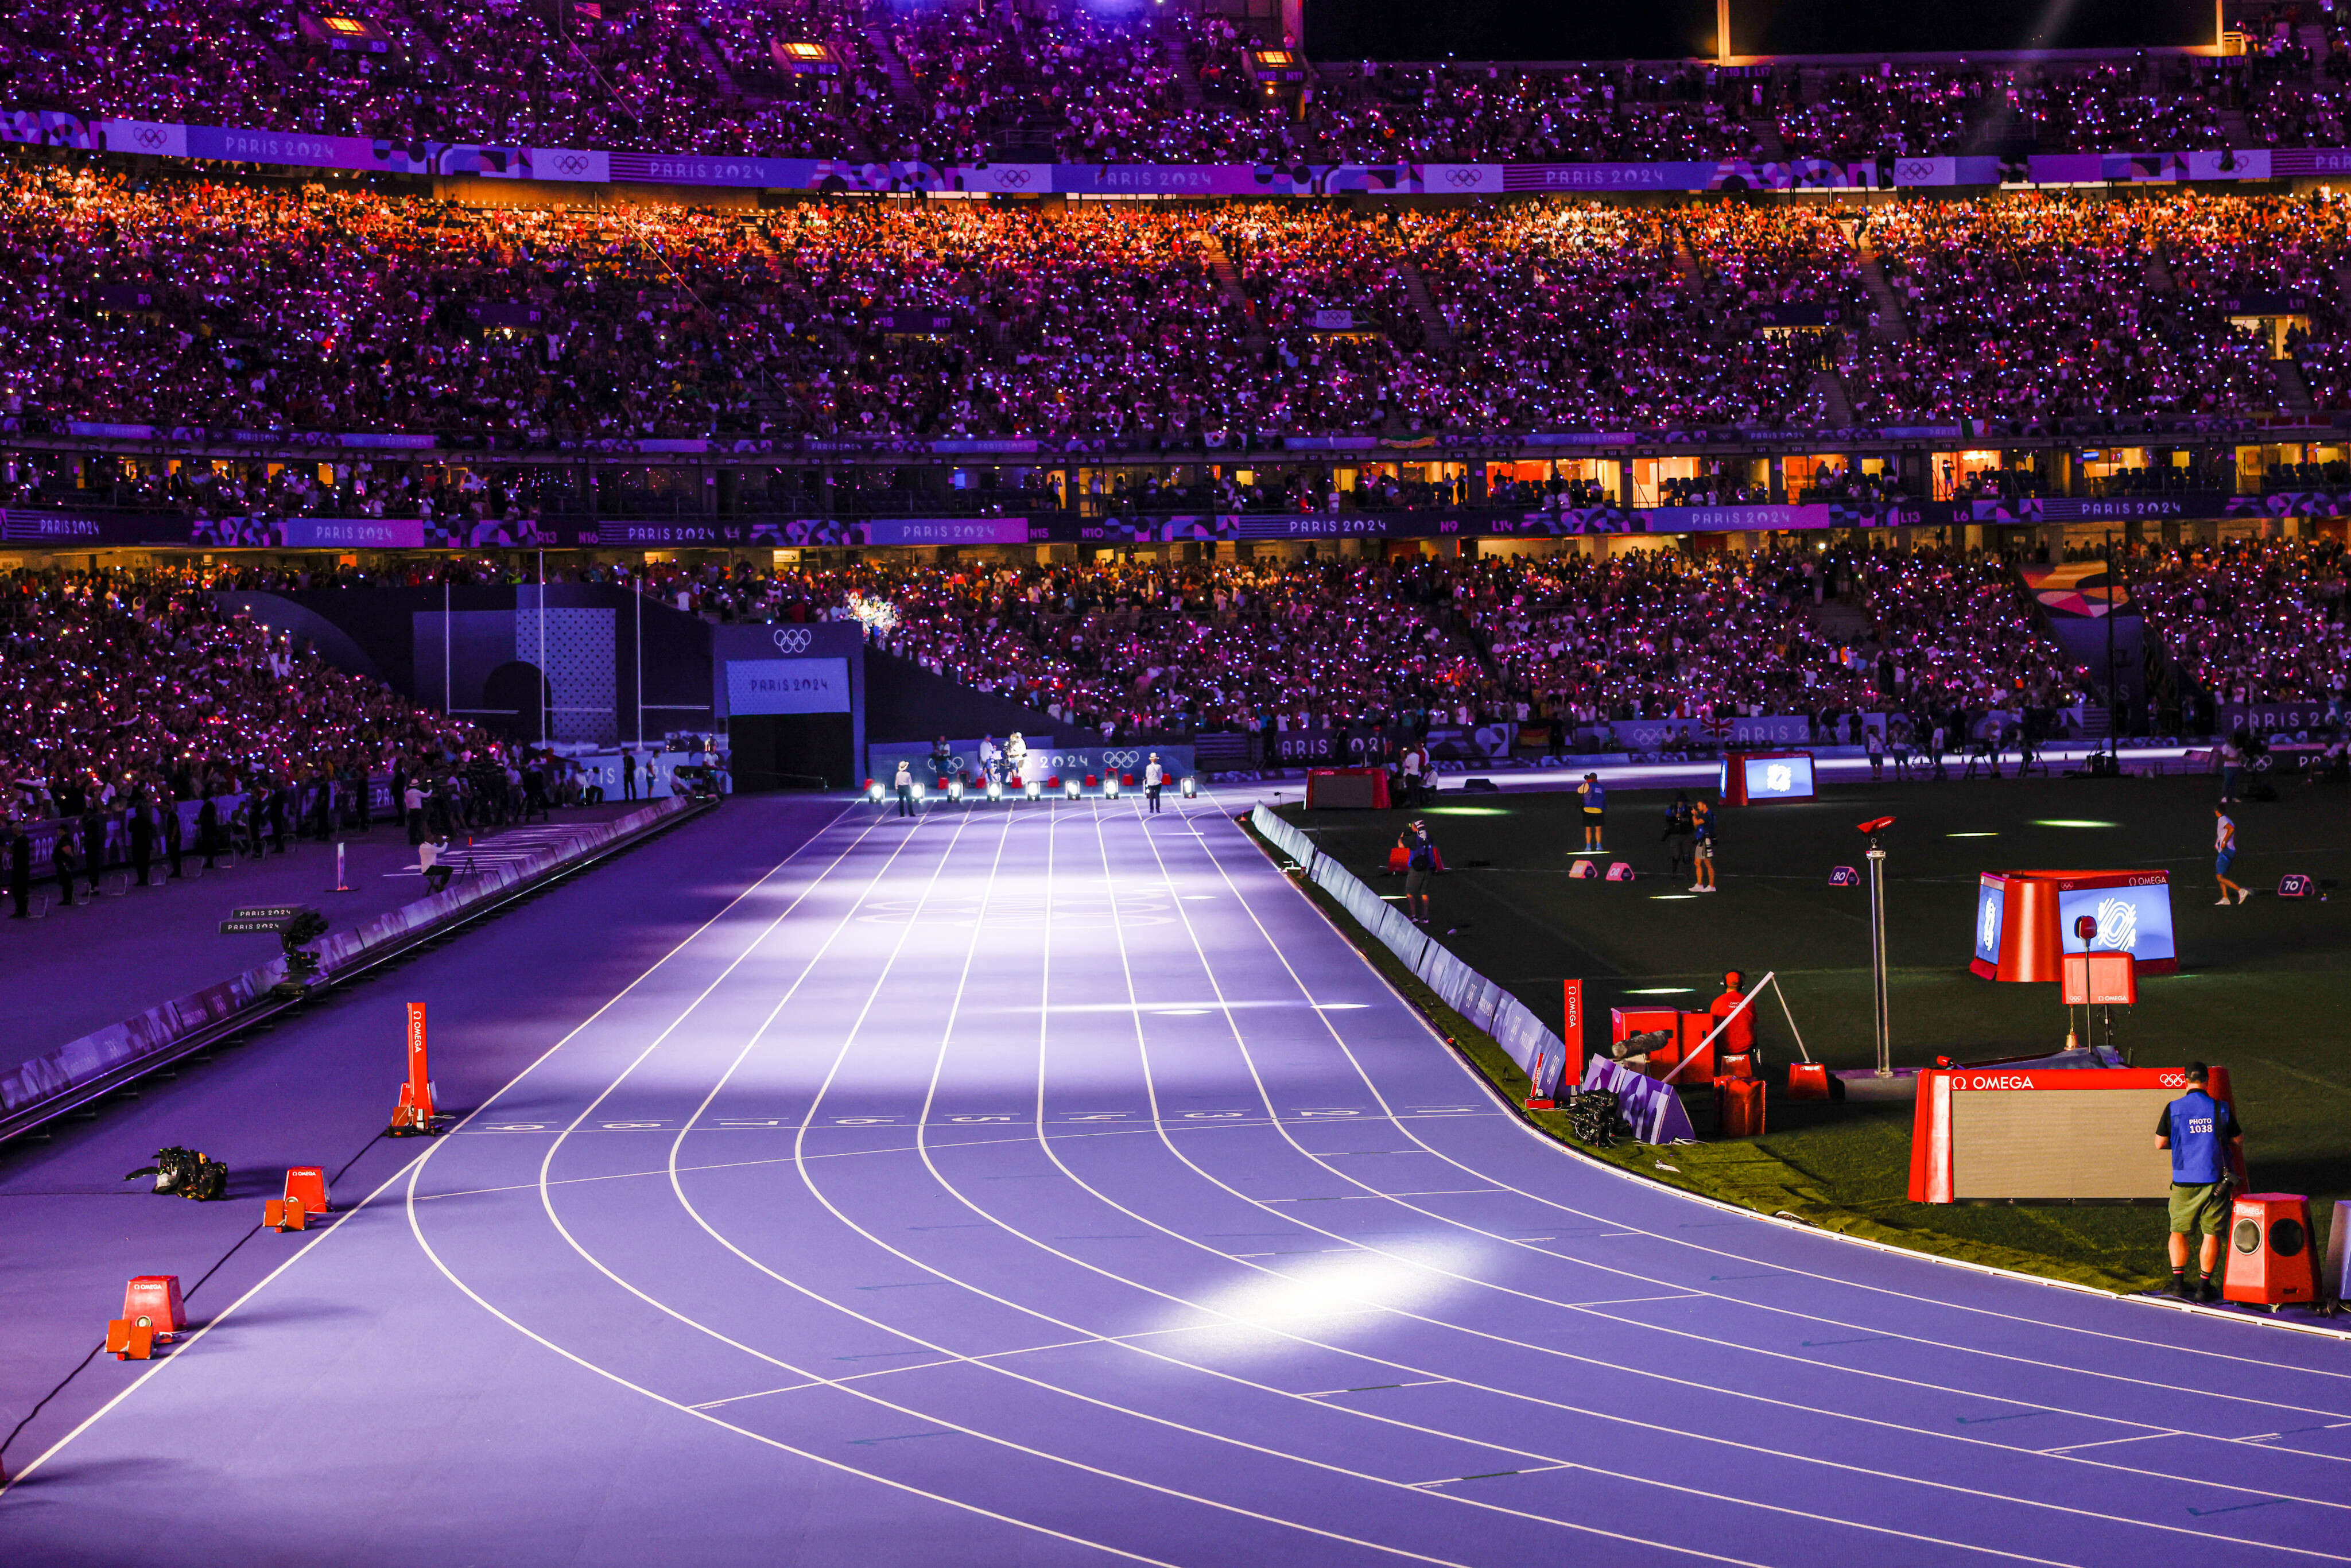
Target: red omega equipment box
<point>1625,1022</point>
<point>2007,1135</point>
<point>2269,1262</point>
<point>2099,980</point>
<point>2027,921</point>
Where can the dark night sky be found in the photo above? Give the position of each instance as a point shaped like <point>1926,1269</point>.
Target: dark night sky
<point>1655,29</point>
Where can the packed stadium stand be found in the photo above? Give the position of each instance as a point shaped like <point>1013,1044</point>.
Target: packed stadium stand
<point>553,504</point>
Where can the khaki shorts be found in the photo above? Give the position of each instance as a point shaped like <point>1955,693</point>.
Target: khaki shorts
<point>2199,1209</point>
<point>1415,884</point>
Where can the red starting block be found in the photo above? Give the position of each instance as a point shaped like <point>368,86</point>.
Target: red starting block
<point>1808,1080</point>
<point>1738,1107</point>
<point>152,1313</point>
<point>1093,782</point>
<point>285,1214</point>
<point>413,1116</point>
<point>307,1183</point>
<point>1619,871</point>
<point>127,1341</point>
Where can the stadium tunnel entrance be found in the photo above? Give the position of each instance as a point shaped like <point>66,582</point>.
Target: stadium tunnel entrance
<point>791,751</point>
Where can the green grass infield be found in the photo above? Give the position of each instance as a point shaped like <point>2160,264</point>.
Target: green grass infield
<point>2256,991</point>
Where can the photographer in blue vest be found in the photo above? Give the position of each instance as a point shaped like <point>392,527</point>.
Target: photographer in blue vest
<point>2202,1134</point>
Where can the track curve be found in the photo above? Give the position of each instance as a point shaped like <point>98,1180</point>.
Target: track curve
<point>1053,1184</point>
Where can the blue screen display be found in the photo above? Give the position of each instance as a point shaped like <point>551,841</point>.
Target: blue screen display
<point>1992,910</point>
<point>2134,920</point>
<point>1778,777</point>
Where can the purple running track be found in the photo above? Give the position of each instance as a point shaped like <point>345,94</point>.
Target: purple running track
<point>1052,1184</point>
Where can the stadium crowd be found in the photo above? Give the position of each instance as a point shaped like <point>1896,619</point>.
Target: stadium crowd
<point>226,307</point>
<point>2253,622</point>
<point>120,680</point>
<point>128,693</point>
<point>1074,82</point>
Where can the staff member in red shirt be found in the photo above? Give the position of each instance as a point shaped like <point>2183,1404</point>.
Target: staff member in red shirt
<point>1737,1039</point>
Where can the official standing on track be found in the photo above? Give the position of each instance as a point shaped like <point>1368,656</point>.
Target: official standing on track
<point>1595,813</point>
<point>2200,1132</point>
<point>906,787</point>
<point>1154,776</point>
<point>1702,844</point>
<point>2224,855</point>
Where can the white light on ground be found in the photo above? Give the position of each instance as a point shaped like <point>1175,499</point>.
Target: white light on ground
<point>2070,823</point>
<point>1664,990</point>
<point>1670,897</point>
<point>1326,1291</point>
<point>1971,835</point>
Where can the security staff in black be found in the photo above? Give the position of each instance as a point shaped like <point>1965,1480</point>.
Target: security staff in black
<point>20,870</point>
<point>2202,1134</point>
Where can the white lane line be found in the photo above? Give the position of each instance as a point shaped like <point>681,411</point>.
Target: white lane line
<point>1233,1023</point>
<point>759,1437</point>
<point>1497,1475</point>
<point>1803,1316</point>
<point>1375,1387</point>
<point>947,1032</point>
<point>1277,880</point>
<point>2106,1442</point>
<point>212,1323</point>
<point>956,1360</point>
<point>1017,1306</point>
<point>873,996</point>
<point>547,1203</point>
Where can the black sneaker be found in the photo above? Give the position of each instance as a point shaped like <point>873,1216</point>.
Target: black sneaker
<point>2208,1290</point>
<point>2184,1286</point>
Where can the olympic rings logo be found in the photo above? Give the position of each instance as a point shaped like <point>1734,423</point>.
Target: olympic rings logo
<point>793,639</point>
